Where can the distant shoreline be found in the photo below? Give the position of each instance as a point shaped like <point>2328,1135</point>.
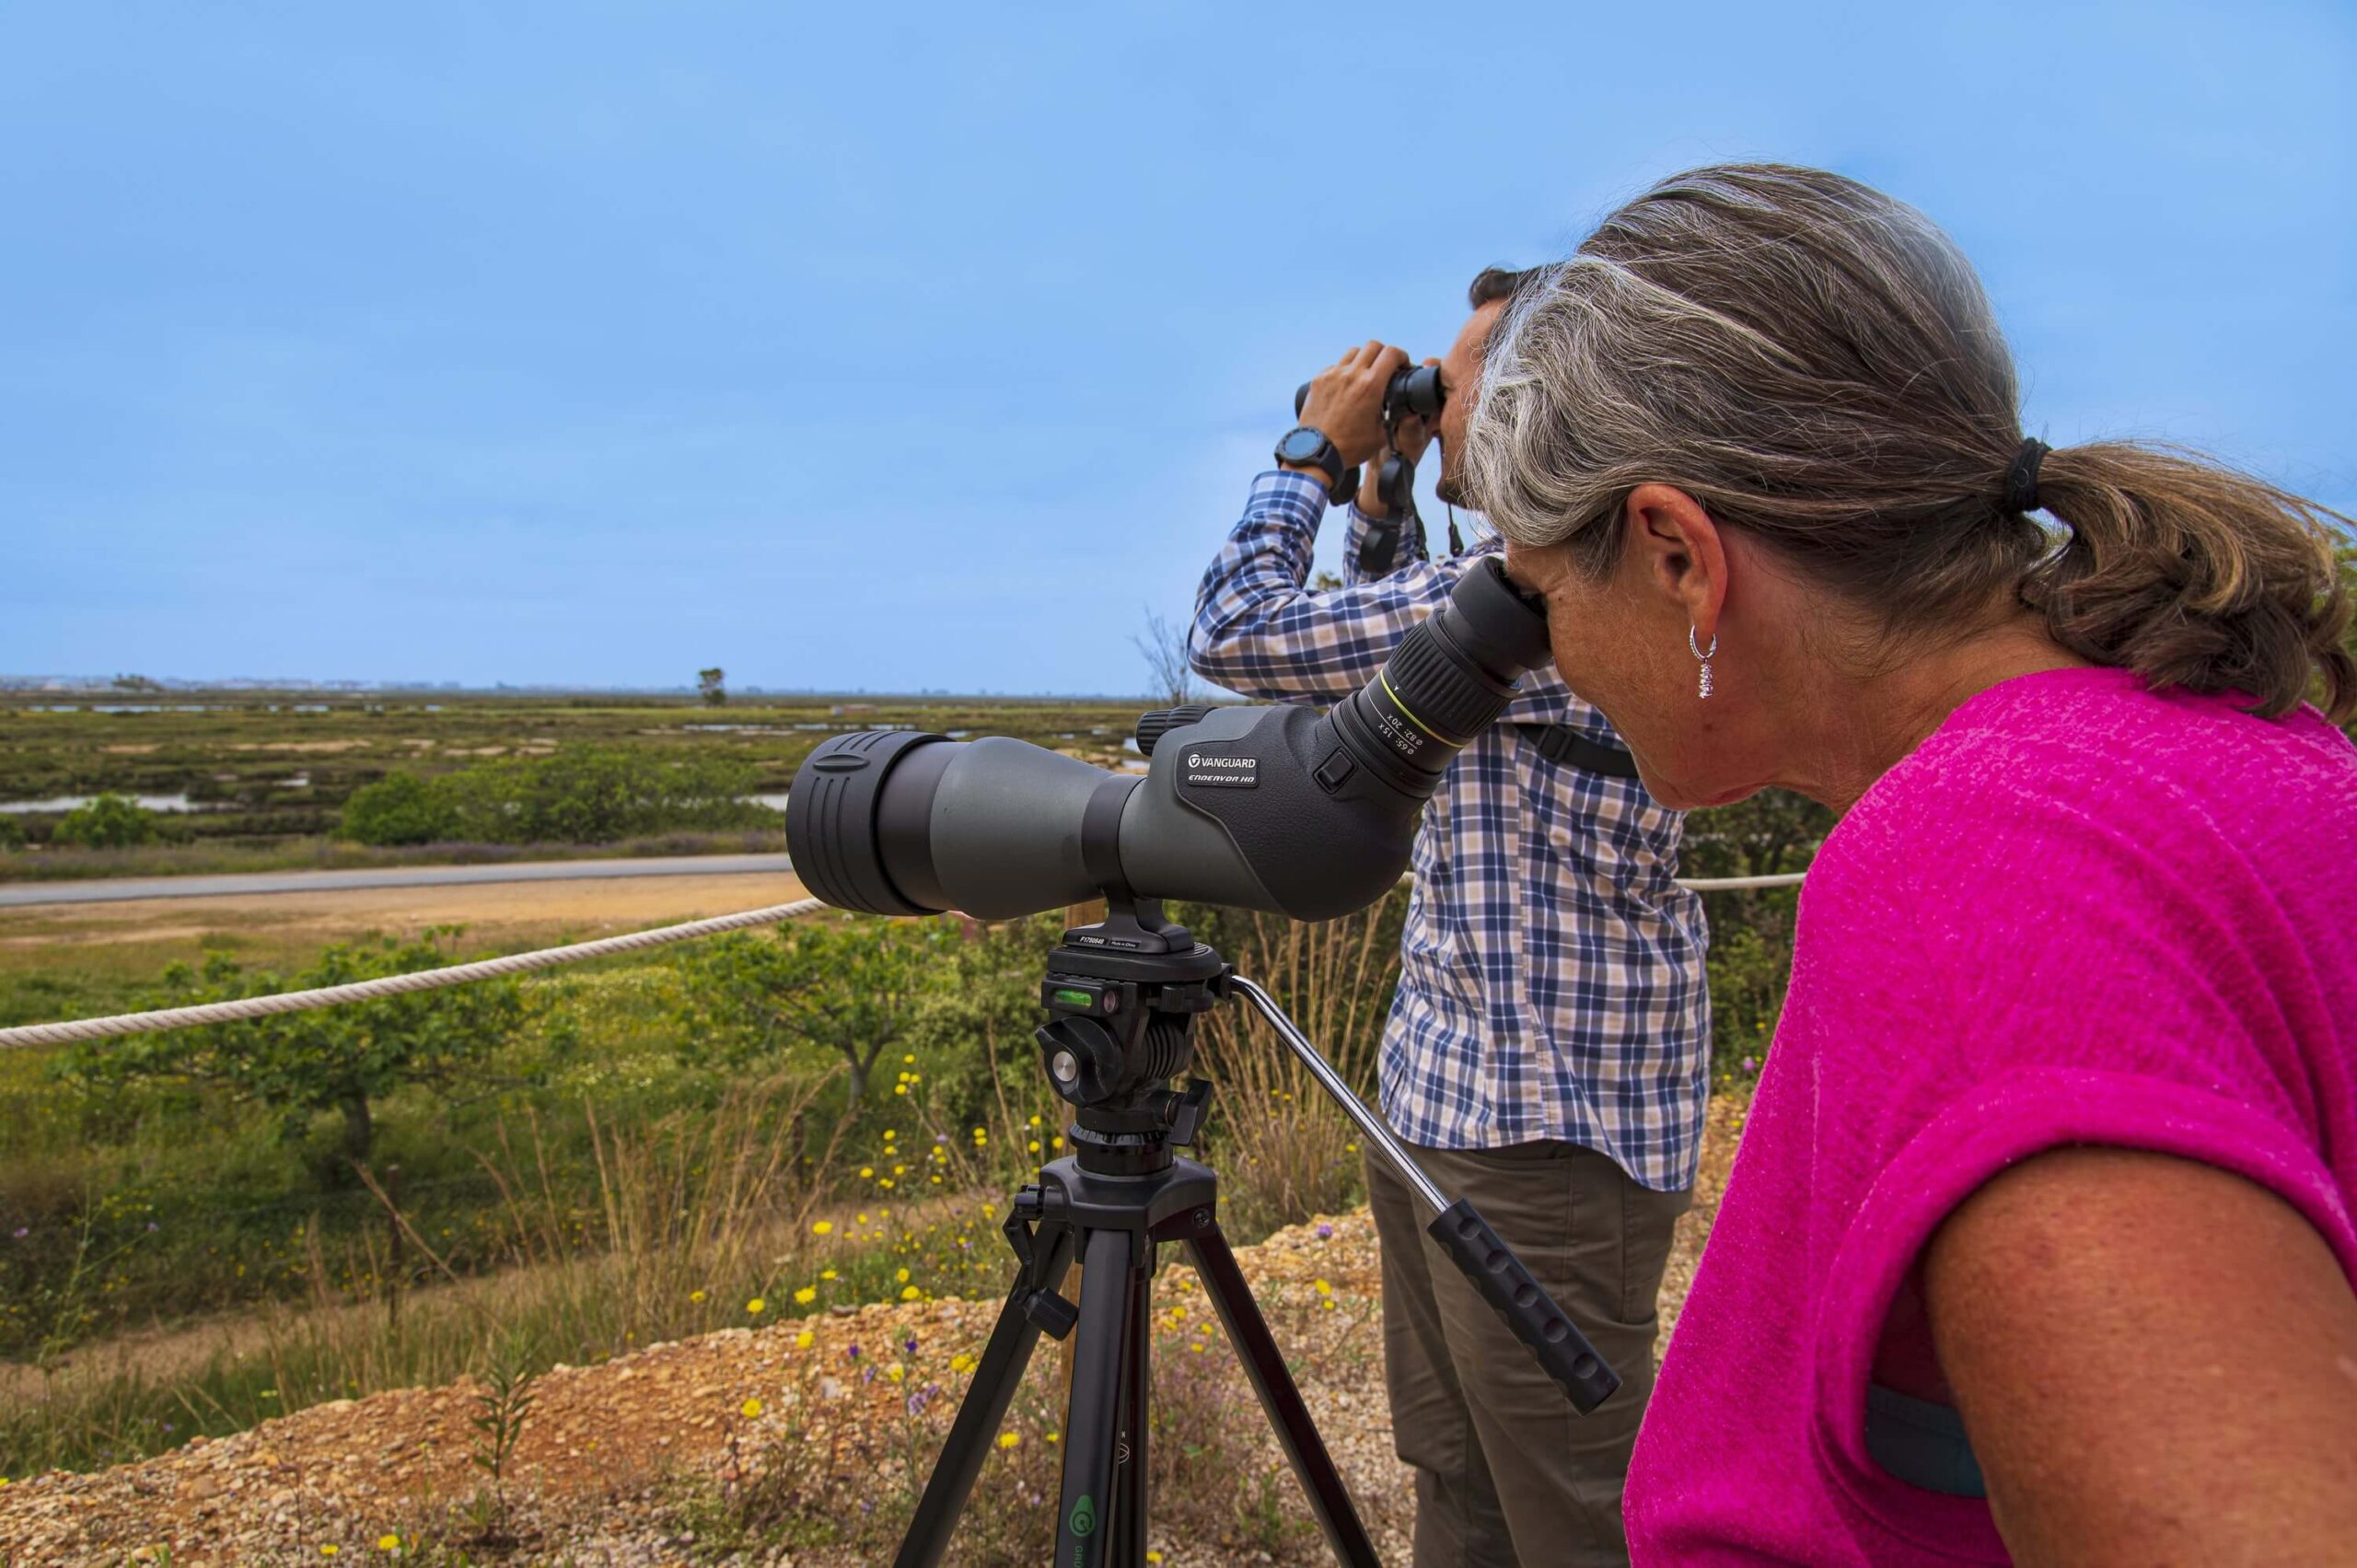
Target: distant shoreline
<point>21,690</point>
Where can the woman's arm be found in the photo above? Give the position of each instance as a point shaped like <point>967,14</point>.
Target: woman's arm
<point>2156,1362</point>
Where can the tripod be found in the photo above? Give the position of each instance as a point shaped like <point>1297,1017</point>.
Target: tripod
<point>1121,997</point>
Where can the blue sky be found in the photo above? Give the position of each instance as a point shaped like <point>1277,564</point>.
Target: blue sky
<point>898,346</point>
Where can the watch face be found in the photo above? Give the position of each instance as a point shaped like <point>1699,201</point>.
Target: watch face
<point>1301,445</point>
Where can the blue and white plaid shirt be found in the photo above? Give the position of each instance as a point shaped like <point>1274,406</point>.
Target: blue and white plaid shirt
<point>1551,981</point>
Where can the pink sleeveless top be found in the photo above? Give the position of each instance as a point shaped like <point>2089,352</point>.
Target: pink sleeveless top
<point>2081,913</point>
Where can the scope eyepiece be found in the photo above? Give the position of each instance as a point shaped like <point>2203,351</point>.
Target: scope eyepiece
<point>1448,680</point>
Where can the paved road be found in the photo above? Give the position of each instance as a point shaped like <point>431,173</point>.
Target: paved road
<point>109,889</point>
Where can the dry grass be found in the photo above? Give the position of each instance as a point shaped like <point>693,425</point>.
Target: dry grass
<point>1284,1151</point>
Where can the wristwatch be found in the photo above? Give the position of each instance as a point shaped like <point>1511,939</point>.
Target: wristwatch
<point>1311,448</point>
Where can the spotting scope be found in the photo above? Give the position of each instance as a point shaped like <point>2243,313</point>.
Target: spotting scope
<point>1280,808</point>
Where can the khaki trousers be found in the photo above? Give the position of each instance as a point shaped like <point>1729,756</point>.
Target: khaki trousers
<point>1507,1474</point>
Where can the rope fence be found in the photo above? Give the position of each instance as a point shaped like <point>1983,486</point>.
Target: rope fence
<point>520,963</point>
<point>393,985</point>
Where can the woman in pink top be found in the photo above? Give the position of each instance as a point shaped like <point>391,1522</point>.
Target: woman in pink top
<point>2039,1245</point>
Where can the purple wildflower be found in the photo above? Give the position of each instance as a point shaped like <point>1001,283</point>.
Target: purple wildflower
<point>1325,1233</point>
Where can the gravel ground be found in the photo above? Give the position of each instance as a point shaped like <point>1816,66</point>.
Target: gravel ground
<point>657,1457</point>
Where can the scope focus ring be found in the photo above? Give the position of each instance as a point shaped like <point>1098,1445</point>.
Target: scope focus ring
<point>1445,698</point>
<point>1152,727</point>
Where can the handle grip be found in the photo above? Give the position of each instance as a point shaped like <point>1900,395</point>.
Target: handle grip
<point>1562,1352</point>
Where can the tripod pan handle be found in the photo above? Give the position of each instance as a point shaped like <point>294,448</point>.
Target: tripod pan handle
<point>1562,1352</point>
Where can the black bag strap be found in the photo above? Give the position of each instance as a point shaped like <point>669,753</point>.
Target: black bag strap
<point>1561,743</point>
<point>1379,549</point>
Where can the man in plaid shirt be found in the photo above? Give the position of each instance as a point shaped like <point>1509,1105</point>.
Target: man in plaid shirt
<point>1547,1051</point>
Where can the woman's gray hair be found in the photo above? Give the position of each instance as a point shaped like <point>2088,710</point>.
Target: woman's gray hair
<point>1817,364</point>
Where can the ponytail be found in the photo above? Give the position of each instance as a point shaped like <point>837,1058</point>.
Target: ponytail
<point>2195,575</point>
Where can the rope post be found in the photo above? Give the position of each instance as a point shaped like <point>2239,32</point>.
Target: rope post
<point>394,1269</point>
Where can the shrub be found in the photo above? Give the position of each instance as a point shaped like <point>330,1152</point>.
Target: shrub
<point>108,822</point>
<point>594,794</point>
<point>598,795</point>
<point>12,834</point>
<point>400,808</point>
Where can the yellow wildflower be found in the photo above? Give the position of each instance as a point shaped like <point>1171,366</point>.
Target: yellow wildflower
<point>695,1296</point>
<point>1008,1439</point>
<point>806,1296</point>
<point>757,1307</point>
<point>824,1227</point>
<point>802,1341</point>
<point>751,1409</point>
<point>910,1293</point>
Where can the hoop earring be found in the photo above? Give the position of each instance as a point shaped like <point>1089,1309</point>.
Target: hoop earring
<point>1705,656</point>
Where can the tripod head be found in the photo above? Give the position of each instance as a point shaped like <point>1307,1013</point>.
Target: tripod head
<point>1121,998</point>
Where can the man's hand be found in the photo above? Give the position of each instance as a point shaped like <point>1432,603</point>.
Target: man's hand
<point>1410,437</point>
<point>1346,400</point>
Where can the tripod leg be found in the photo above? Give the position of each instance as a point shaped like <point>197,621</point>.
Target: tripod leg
<point>1130,1473</point>
<point>987,1397</point>
<point>1091,1425</point>
<point>1265,1365</point>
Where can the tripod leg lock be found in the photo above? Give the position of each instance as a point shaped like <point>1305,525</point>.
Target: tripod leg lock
<point>1562,1352</point>
<point>1050,1313</point>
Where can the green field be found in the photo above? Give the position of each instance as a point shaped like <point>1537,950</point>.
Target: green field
<point>265,776</point>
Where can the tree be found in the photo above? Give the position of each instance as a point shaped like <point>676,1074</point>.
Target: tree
<point>400,808</point>
<point>708,682</point>
<point>852,988</point>
<point>1164,647</point>
<point>341,1060</point>
<point>108,822</point>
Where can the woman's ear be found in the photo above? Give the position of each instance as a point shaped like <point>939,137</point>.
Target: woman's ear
<point>1675,550</point>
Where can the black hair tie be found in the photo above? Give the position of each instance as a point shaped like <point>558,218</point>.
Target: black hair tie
<point>2021,480</point>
